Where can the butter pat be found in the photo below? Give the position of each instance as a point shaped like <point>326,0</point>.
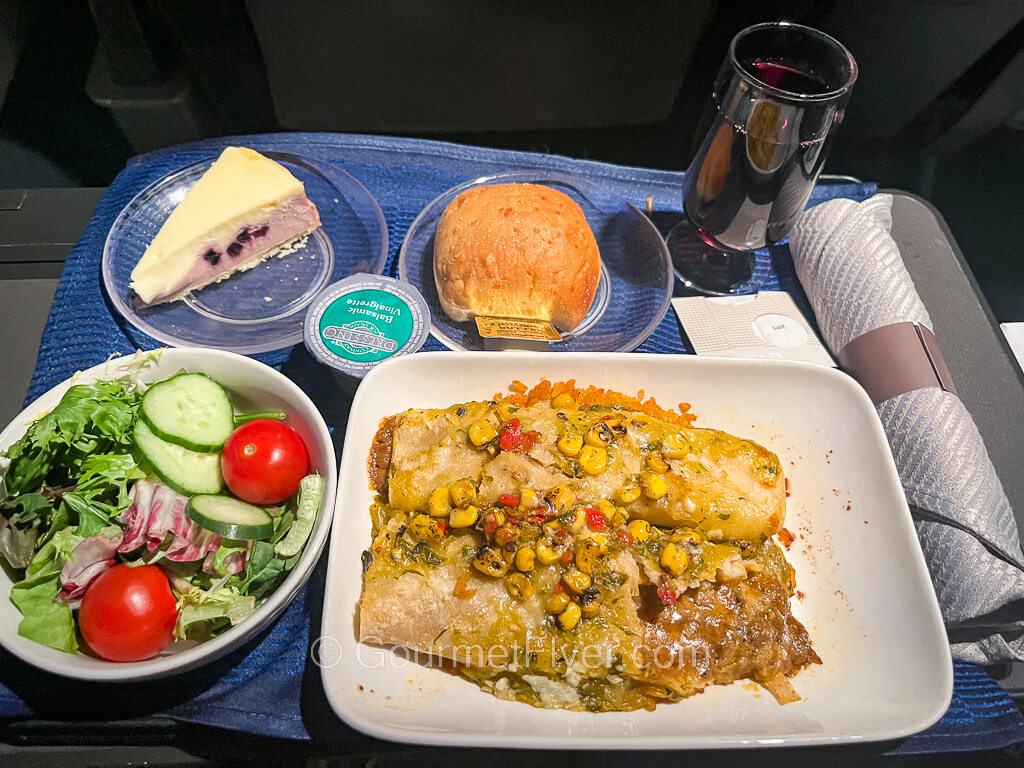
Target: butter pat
<point>500,333</point>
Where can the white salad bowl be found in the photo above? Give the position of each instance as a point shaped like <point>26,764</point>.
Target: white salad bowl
<point>253,386</point>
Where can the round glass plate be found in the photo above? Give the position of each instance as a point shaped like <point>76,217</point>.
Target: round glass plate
<point>636,273</point>
<point>263,308</point>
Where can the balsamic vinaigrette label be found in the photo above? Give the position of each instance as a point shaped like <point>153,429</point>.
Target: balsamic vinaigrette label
<point>366,325</point>
<point>516,328</point>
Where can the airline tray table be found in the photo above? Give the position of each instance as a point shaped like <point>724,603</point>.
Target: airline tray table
<point>36,227</point>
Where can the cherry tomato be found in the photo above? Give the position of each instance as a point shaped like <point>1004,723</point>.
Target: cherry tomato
<point>128,613</point>
<point>263,461</point>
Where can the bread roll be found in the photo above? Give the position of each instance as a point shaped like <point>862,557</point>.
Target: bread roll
<point>516,250</point>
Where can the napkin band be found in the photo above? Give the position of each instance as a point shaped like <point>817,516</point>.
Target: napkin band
<point>894,359</point>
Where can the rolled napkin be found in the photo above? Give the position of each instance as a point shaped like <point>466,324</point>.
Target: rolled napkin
<point>852,272</point>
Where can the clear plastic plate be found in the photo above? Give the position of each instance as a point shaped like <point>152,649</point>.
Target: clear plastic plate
<point>263,308</point>
<point>636,272</point>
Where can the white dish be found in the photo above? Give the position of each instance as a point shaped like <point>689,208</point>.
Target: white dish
<point>253,387</point>
<point>867,600</point>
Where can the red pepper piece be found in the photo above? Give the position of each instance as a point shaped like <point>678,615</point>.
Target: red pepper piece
<point>595,519</point>
<point>513,439</point>
<point>666,594</point>
<point>511,436</point>
<point>528,440</point>
<point>509,500</point>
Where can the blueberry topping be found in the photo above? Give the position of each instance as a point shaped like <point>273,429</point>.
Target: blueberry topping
<point>261,231</point>
<point>212,256</point>
<point>243,236</point>
<point>234,249</point>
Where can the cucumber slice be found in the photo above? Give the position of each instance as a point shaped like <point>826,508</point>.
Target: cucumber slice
<point>187,472</point>
<point>311,490</point>
<point>230,517</point>
<point>191,410</point>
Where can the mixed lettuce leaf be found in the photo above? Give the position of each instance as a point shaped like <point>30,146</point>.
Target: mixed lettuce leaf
<point>70,480</point>
<point>65,481</point>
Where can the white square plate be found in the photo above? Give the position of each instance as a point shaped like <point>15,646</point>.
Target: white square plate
<point>864,592</point>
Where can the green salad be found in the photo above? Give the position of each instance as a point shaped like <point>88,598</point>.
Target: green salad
<point>134,514</point>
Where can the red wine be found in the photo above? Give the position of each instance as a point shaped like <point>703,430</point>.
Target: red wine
<point>759,159</point>
<point>786,78</point>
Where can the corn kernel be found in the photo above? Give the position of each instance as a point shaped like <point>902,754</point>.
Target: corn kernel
<point>528,499</point>
<point>505,534</point>
<point>488,560</point>
<point>688,536</point>
<point>593,460</point>
<point>440,502</point>
<point>482,432</point>
<point>495,516</point>
<point>590,602</point>
<point>564,400</point>
<point>464,517</point>
<point>508,552</point>
<point>519,586</point>
<point>570,444</point>
<point>570,617</point>
<point>579,519</point>
<point>653,486</point>
<point>601,539</point>
<point>586,555</point>
<point>426,528</point>
<point>505,410</point>
<point>599,435</point>
<point>525,557</point>
<point>656,463</point>
<point>463,492</point>
<point>557,603</point>
<point>607,509</point>
<point>675,447</point>
<point>383,543</point>
<point>547,552</point>
<point>563,498</point>
<point>577,581</point>
<point>619,518</point>
<point>673,559</point>
<point>640,529</point>
<point>628,493</point>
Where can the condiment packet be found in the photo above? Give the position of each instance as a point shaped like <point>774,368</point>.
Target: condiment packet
<point>500,333</point>
<point>359,322</point>
<point>766,325</point>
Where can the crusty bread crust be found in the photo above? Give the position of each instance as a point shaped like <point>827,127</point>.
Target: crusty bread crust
<point>516,250</point>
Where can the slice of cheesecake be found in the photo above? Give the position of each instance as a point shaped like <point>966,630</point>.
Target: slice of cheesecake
<point>242,209</point>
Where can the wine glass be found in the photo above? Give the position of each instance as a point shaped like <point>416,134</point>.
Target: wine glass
<point>764,137</point>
